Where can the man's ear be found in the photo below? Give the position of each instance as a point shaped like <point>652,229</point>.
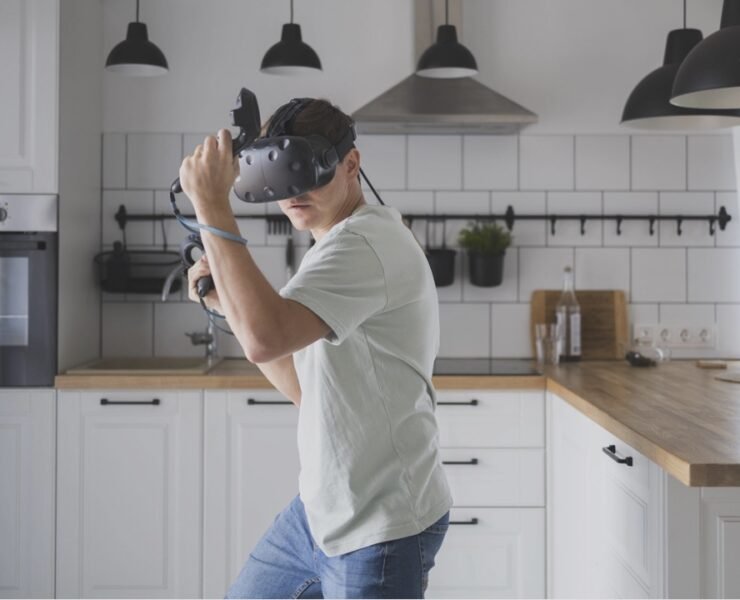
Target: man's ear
<point>351,162</point>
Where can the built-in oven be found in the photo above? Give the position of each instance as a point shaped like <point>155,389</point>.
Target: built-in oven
<point>28,290</point>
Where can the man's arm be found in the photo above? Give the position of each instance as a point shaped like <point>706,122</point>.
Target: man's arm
<point>281,373</point>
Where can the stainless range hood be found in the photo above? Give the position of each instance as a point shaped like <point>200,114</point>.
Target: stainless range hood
<point>424,105</point>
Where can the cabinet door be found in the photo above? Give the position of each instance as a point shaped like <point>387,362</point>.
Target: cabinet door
<point>720,508</point>
<point>129,494</point>
<point>491,553</point>
<point>27,494</point>
<point>573,525</point>
<point>29,57</point>
<point>251,474</point>
<point>486,419</point>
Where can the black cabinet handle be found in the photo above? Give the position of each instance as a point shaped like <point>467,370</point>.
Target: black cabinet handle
<point>252,401</point>
<point>472,461</point>
<point>473,402</point>
<point>473,521</point>
<point>611,452</point>
<point>106,402</point>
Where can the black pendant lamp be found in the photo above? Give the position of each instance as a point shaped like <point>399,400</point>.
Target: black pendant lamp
<point>136,55</point>
<point>291,55</point>
<point>447,58</point>
<point>649,105</point>
<point>710,75</point>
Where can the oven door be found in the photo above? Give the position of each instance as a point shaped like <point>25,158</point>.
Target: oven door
<point>28,309</point>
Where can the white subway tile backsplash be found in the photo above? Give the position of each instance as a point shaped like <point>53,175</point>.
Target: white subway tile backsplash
<point>728,326</point>
<point>506,292</point>
<point>525,232</point>
<point>114,160</point>
<point>383,159</point>
<point>435,162</point>
<point>602,162</point>
<point>153,160</point>
<point>711,162</point>
<point>172,320</point>
<point>127,329</point>
<point>713,275</point>
<point>138,233</point>
<point>490,162</point>
<point>693,233</point>
<point>603,269</point>
<point>686,314</point>
<point>658,162</point>
<point>410,203</point>
<point>568,233</point>
<point>472,203</point>
<point>510,331</point>
<point>688,280</point>
<point>731,234</point>
<point>546,162</point>
<point>658,275</point>
<point>464,330</point>
<point>634,233</point>
<point>542,269</point>
<point>643,314</point>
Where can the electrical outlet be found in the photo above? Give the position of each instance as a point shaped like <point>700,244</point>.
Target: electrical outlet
<point>677,336</point>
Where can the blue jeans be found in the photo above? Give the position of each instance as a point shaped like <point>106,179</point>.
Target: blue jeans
<point>287,563</point>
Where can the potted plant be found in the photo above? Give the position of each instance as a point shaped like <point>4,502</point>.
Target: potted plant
<point>486,245</point>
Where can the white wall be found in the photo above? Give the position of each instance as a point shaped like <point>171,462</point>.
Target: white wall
<point>572,61</point>
<point>214,48</point>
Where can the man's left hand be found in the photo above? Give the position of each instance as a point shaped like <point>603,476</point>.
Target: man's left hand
<point>207,175</point>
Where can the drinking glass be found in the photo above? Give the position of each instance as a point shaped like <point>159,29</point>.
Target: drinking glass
<point>548,341</point>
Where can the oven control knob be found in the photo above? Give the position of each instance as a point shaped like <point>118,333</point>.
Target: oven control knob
<point>3,214</point>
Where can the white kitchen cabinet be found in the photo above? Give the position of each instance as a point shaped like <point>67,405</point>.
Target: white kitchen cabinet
<point>251,474</point>
<point>29,59</point>
<point>620,531</point>
<point>129,494</point>
<point>491,553</point>
<point>27,493</point>
<point>492,446</point>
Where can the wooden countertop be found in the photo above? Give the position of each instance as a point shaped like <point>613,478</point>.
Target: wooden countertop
<point>239,373</point>
<point>676,414</point>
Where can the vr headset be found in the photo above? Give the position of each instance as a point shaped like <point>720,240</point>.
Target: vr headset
<point>281,165</point>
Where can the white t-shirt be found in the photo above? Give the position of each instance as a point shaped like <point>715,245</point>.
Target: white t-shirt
<point>367,435</point>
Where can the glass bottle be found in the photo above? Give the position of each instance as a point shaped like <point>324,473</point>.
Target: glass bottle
<point>568,315</point>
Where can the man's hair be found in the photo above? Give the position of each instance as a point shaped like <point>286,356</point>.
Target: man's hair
<point>321,117</point>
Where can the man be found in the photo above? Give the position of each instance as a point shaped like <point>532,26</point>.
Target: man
<point>351,339</point>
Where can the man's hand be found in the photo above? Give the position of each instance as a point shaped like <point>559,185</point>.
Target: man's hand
<point>208,173</point>
<point>198,270</point>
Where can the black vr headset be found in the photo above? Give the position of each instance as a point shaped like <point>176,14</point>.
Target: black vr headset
<point>281,165</point>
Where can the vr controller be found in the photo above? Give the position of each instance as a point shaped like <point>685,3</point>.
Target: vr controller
<point>271,168</point>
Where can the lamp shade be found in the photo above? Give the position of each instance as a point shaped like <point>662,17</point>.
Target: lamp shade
<point>649,106</point>
<point>447,58</point>
<point>291,55</point>
<point>710,75</point>
<point>136,55</point>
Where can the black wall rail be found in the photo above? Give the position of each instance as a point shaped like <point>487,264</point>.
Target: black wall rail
<point>276,223</point>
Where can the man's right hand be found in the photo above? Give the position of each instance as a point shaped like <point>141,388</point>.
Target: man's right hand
<point>198,270</point>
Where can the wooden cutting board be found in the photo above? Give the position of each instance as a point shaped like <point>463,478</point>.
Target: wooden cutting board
<point>604,321</point>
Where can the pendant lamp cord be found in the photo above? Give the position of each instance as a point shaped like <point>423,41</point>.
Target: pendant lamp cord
<point>684,14</point>
<point>447,12</point>
<point>137,11</point>
<point>291,11</point>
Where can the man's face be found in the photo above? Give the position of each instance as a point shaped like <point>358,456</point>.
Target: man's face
<point>319,208</point>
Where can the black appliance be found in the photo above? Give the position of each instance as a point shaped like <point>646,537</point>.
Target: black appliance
<point>484,366</point>
<point>28,290</point>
